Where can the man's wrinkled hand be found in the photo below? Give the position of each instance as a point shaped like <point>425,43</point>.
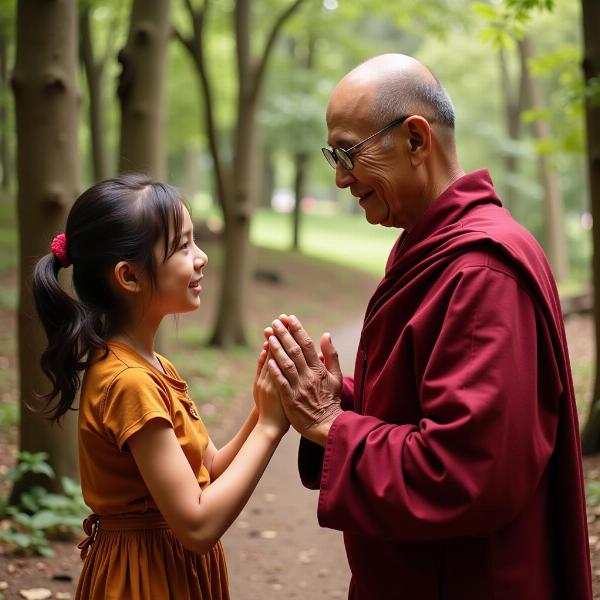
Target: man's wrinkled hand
<point>309,385</point>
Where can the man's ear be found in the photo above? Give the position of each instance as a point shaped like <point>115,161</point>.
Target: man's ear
<point>127,277</point>
<point>419,139</point>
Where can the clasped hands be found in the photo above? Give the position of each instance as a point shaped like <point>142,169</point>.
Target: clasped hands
<point>308,384</point>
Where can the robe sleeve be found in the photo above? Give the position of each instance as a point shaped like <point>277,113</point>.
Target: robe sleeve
<point>347,392</point>
<point>476,456</point>
<point>310,455</point>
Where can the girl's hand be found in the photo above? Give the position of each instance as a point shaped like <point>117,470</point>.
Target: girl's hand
<point>266,396</point>
<point>262,359</point>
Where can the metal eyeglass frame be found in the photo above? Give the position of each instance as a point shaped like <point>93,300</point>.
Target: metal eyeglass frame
<point>341,155</point>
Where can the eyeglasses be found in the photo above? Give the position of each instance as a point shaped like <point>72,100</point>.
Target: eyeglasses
<point>342,156</point>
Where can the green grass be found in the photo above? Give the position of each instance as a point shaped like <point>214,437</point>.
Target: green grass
<point>342,238</point>
<point>8,296</point>
<point>345,239</point>
<point>9,416</point>
<point>8,240</point>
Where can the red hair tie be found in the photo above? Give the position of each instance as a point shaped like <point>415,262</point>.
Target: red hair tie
<point>59,249</point>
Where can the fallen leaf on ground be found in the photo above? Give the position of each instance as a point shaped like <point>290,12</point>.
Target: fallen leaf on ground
<point>305,557</point>
<point>268,534</point>
<point>36,594</point>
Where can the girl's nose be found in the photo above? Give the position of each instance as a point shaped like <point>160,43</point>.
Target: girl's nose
<point>200,259</point>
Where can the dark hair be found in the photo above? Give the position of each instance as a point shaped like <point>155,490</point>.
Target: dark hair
<point>406,95</point>
<point>117,219</point>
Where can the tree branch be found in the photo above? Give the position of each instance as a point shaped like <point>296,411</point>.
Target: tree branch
<point>186,42</point>
<point>279,22</point>
<point>85,44</point>
<point>194,45</point>
<point>242,43</point>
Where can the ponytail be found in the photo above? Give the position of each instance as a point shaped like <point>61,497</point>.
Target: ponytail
<point>118,219</point>
<point>73,330</point>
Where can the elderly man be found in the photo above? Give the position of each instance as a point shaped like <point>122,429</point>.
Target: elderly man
<point>451,460</point>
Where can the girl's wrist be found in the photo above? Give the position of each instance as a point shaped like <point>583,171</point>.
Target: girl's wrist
<point>273,432</point>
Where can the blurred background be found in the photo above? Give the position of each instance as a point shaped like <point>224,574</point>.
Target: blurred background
<point>226,100</point>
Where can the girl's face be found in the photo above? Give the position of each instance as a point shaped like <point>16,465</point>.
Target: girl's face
<point>179,278</point>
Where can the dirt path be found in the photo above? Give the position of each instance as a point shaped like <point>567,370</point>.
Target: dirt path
<point>276,548</point>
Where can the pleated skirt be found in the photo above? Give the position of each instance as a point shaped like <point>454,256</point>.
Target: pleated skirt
<point>137,557</point>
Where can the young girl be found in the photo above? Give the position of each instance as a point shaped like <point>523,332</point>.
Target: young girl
<point>161,492</point>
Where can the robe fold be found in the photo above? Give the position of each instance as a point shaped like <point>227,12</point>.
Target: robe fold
<point>455,469</point>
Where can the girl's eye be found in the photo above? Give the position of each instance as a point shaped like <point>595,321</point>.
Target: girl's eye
<point>184,246</point>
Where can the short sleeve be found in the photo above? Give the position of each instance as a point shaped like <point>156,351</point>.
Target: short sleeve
<point>133,399</point>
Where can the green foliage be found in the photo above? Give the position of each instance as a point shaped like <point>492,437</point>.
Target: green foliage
<point>507,19</point>
<point>9,415</point>
<point>592,91</point>
<point>39,514</point>
<point>522,6</point>
<point>30,462</point>
<point>8,245</point>
<point>8,296</point>
<point>565,96</point>
<point>592,492</point>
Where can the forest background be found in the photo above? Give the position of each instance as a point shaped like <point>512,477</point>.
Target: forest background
<point>226,99</point>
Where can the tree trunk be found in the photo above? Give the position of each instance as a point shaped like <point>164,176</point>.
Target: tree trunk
<point>235,186</point>
<point>591,68</point>
<point>513,100</point>
<point>555,237</point>
<point>193,173</point>
<point>142,89</point>
<point>301,159</point>
<point>141,92</point>
<point>47,103</point>
<point>229,328</point>
<point>299,183</point>
<point>5,162</point>
<point>94,75</point>
<point>268,178</point>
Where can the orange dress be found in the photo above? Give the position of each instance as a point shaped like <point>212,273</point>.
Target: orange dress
<point>131,554</point>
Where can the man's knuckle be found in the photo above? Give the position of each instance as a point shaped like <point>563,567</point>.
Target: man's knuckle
<point>306,343</point>
<point>295,352</point>
<point>289,366</point>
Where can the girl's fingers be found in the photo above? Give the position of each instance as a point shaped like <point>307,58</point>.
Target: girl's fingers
<point>278,378</point>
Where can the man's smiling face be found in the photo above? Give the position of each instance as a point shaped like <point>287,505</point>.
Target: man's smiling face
<point>382,175</point>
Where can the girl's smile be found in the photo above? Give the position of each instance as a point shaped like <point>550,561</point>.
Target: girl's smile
<point>195,285</point>
<point>179,277</point>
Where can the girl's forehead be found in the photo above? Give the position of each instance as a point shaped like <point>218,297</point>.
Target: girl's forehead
<point>186,217</point>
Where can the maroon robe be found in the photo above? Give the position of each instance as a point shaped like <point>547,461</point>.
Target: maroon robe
<point>455,470</point>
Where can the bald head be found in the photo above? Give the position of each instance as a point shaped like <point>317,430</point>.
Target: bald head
<point>398,85</point>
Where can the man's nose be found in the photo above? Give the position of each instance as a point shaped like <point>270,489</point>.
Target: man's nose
<point>343,177</point>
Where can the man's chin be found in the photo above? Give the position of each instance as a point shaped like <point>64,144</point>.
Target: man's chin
<point>376,218</point>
